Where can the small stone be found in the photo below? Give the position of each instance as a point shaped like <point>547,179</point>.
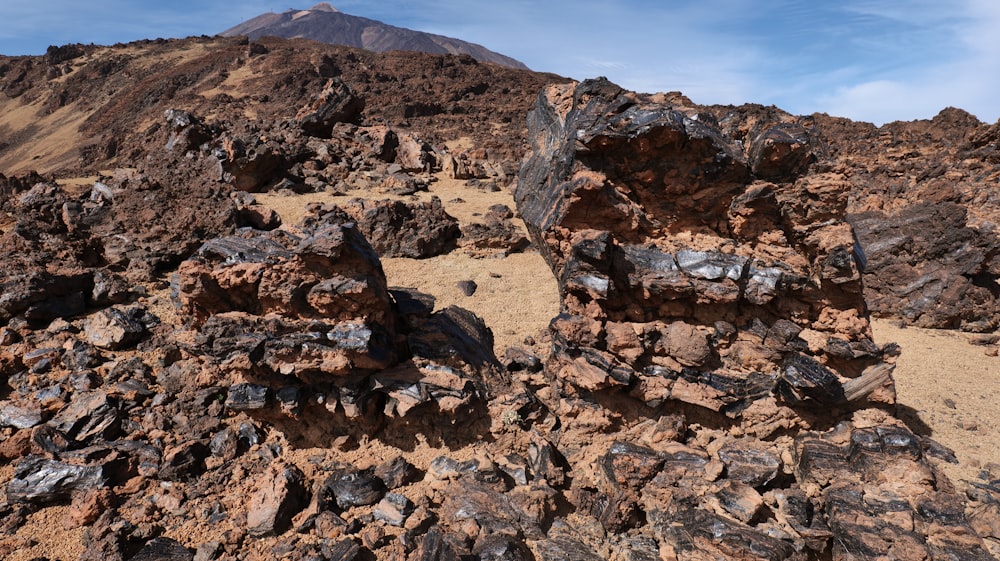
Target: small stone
<point>86,508</point>
<point>280,495</point>
<point>163,549</point>
<point>372,537</point>
<point>348,488</point>
<point>184,462</point>
<point>207,551</point>
<point>18,416</point>
<point>740,500</point>
<point>38,480</point>
<point>393,509</point>
<point>969,425</point>
<point>114,329</point>
<point>224,444</point>
<point>396,473</point>
<point>467,287</point>
<point>89,416</point>
<point>247,397</point>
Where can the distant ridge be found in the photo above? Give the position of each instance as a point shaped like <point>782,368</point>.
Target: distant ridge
<point>327,24</point>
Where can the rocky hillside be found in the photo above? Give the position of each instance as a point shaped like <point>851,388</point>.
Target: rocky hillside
<point>325,23</point>
<point>81,109</point>
<point>188,373</point>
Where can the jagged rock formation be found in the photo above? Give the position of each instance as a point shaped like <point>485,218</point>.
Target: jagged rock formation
<point>688,278</point>
<point>691,280</point>
<point>309,319</point>
<point>923,203</point>
<point>325,23</point>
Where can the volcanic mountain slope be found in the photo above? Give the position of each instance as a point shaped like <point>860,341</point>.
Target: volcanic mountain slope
<point>84,108</point>
<point>325,23</point>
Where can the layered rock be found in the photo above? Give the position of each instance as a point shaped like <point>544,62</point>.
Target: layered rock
<point>682,277</point>
<point>301,322</point>
<point>930,268</point>
<point>700,283</point>
<point>922,204</point>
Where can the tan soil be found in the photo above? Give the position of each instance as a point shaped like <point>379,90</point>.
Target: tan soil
<point>517,295</point>
<point>948,389</point>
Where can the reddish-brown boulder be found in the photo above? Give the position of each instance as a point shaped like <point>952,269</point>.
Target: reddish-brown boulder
<point>652,223</point>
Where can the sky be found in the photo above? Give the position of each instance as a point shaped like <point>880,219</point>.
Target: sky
<point>868,60</point>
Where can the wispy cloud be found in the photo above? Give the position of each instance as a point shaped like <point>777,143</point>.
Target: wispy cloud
<point>960,68</point>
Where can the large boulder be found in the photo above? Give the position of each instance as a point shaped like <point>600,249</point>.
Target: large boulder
<point>682,278</point>
<point>330,273</point>
<point>927,266</point>
<point>396,228</point>
<point>337,103</point>
<point>303,321</point>
<point>695,286</point>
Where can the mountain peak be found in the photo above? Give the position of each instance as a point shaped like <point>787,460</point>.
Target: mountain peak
<point>327,24</point>
<point>324,7</point>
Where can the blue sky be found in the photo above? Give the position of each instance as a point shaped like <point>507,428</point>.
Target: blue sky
<point>871,60</point>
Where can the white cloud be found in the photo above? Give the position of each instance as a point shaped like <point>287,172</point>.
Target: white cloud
<point>968,77</point>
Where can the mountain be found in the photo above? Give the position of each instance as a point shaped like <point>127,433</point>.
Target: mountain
<point>327,24</point>
<point>80,106</point>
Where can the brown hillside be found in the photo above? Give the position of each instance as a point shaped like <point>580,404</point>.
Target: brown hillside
<point>89,108</point>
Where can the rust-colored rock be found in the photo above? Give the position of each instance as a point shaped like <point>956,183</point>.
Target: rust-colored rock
<point>654,247</point>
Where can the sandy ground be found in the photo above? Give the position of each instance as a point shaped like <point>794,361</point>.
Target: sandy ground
<point>517,295</point>
<point>948,389</point>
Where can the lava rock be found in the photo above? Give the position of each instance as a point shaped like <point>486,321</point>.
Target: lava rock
<point>348,488</point>
<point>39,480</point>
<point>247,397</point>
<point>467,287</point>
<point>163,549</point>
<point>393,509</point>
<point>400,229</point>
<point>112,328</point>
<point>279,495</point>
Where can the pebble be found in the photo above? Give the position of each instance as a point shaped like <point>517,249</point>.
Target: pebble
<point>467,287</point>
